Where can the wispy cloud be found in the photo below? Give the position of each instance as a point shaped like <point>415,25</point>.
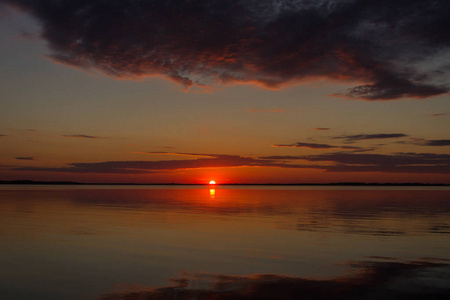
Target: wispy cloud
<point>317,146</point>
<point>424,142</point>
<point>321,128</point>
<point>141,167</point>
<point>360,137</point>
<point>176,153</point>
<point>393,49</point>
<point>25,158</point>
<point>437,143</point>
<point>340,162</point>
<point>363,162</point>
<point>275,110</point>
<point>439,115</point>
<point>83,136</point>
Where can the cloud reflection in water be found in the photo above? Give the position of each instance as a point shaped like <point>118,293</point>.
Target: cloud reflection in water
<point>384,278</point>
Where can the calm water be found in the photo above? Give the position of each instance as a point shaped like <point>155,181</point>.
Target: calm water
<point>162,242</point>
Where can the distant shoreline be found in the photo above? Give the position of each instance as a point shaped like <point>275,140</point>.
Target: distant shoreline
<point>32,182</point>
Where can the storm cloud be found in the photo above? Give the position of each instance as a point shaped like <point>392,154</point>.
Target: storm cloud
<point>388,49</point>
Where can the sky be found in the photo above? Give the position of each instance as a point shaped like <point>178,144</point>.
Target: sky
<point>242,91</point>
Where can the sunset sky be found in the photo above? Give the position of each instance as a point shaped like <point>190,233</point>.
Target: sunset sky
<point>242,91</point>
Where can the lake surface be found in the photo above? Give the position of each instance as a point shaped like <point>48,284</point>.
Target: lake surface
<point>193,242</point>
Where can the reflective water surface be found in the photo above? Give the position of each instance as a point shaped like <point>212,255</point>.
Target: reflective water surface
<point>175,242</point>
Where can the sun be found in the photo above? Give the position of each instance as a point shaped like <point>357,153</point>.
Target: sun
<point>212,182</point>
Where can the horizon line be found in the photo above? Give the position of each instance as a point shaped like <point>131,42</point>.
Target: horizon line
<point>35,182</point>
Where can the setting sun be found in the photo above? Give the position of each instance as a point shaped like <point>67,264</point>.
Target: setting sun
<point>212,182</point>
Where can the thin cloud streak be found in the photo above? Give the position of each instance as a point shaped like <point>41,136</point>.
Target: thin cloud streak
<point>384,47</point>
<point>25,158</point>
<point>177,153</point>
<point>321,128</point>
<point>363,162</point>
<point>437,143</point>
<point>424,142</point>
<point>342,162</point>
<point>275,110</point>
<point>317,146</point>
<point>360,137</point>
<point>83,136</point>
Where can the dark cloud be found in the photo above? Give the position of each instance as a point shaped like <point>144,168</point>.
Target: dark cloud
<point>83,136</point>
<point>363,162</point>
<point>424,142</point>
<point>343,162</point>
<point>358,137</point>
<point>3,135</point>
<point>376,279</point>
<point>321,128</point>
<point>317,146</point>
<point>436,143</point>
<point>141,167</point>
<point>394,49</point>
<point>439,115</point>
<point>25,158</point>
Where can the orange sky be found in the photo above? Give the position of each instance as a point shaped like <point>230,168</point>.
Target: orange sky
<point>238,105</point>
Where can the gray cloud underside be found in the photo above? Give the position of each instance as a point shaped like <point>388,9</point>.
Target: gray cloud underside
<point>424,142</point>
<point>343,162</point>
<point>394,49</point>
<point>25,158</point>
<point>321,128</point>
<point>437,143</point>
<point>83,136</point>
<point>359,137</point>
<point>317,146</point>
